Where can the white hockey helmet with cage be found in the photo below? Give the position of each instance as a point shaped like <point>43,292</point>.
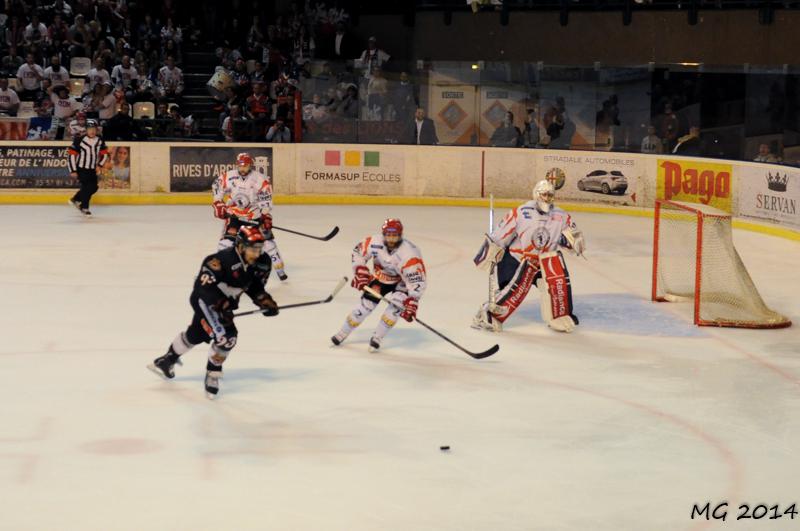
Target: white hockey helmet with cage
<point>544,193</point>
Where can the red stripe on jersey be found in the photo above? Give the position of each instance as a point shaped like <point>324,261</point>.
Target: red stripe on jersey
<point>366,245</point>
<point>415,261</point>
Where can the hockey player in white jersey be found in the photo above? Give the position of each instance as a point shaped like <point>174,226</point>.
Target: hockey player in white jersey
<point>398,273</point>
<point>524,249</point>
<point>244,196</point>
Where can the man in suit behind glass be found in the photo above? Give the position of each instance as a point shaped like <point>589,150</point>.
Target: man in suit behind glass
<point>422,130</point>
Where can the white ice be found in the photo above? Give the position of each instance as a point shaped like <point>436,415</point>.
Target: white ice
<point>623,425</point>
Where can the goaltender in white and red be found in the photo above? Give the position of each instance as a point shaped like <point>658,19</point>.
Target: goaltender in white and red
<point>524,249</point>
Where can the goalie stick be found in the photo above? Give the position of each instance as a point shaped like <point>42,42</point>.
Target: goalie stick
<point>328,299</point>
<point>493,267</point>
<point>325,238</point>
<point>476,355</point>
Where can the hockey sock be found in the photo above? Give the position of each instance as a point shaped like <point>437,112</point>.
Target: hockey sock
<point>388,320</point>
<point>357,316</point>
<point>271,248</point>
<point>180,345</point>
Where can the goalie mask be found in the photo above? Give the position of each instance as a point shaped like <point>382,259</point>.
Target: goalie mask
<point>543,194</point>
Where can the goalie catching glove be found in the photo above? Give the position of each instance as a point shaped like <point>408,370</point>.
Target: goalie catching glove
<point>267,304</point>
<point>574,240</point>
<point>489,254</point>
<point>410,306</point>
<point>361,277</point>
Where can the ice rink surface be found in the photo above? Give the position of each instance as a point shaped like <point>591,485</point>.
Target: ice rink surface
<point>623,425</point>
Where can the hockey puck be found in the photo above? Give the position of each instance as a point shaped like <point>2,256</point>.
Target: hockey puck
<point>444,448</point>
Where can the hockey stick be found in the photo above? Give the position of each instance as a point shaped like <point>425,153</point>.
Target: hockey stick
<point>476,355</point>
<point>328,299</point>
<point>493,267</point>
<point>330,235</point>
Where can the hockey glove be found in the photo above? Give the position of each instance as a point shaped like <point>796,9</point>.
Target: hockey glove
<point>361,277</point>
<point>267,304</point>
<point>266,222</point>
<point>410,306</point>
<point>225,312</point>
<point>220,210</point>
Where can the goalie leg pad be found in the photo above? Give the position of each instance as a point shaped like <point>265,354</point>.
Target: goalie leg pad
<point>556,291</point>
<point>513,292</point>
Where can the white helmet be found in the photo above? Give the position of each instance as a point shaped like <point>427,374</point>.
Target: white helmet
<point>543,193</point>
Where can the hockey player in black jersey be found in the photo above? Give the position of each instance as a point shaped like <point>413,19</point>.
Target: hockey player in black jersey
<point>223,277</point>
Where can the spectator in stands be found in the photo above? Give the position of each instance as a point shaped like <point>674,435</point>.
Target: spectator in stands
<point>279,132</point>
<point>377,89</point>
<point>150,55</point>
<point>12,61</point>
<point>558,126</point>
<point>97,76</point>
<point>145,88</point>
<point>240,76</point>
<point>121,49</point>
<point>280,91</point>
<point>259,108</point>
<point>107,103</point>
<point>339,47</point>
<point>147,31</point>
<point>15,32</point>
<point>652,143</point>
<point>170,80</point>
<point>372,58</point>
<point>506,134</point>
<point>121,126</point>
<point>227,129</point>
<point>171,48</point>
<point>404,96</point>
<point>533,126</point>
<point>194,34</point>
<point>80,40</point>
<point>303,46</point>
<point>255,34</point>
<point>765,154</point>
<point>58,32</point>
<point>259,75</point>
<point>56,73</point>
<point>124,76</point>
<point>668,125</point>
<point>30,76</point>
<point>64,108</point>
<point>689,145</point>
<point>179,122</point>
<point>422,130</point>
<point>348,105</point>
<point>315,111</point>
<point>170,32</point>
<point>9,100</point>
<point>35,32</point>
<point>62,9</point>
<point>77,127</point>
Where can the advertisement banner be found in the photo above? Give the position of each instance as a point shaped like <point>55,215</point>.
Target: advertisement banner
<point>349,171</point>
<point>613,178</point>
<point>695,181</point>
<point>48,167</point>
<point>769,193</point>
<point>193,169</point>
<point>14,128</point>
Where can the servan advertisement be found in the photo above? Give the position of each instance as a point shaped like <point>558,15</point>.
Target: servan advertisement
<point>769,193</point>
<point>606,178</point>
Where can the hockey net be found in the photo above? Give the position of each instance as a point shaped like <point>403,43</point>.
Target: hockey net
<point>694,259</point>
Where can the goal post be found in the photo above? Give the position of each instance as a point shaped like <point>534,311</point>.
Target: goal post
<point>694,259</point>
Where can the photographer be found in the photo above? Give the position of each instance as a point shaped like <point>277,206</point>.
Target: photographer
<point>279,132</point>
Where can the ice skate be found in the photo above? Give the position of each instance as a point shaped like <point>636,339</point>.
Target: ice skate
<point>212,384</point>
<point>374,344</point>
<point>75,203</point>
<point>164,366</point>
<point>483,321</point>
<point>339,337</point>
<point>86,212</point>
<point>281,275</point>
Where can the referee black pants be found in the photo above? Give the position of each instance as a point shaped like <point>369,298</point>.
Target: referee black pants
<point>88,180</point>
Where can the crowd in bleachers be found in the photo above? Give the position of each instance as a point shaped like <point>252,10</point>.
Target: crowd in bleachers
<point>92,59</point>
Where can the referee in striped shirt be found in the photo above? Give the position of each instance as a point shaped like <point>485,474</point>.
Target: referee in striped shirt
<point>86,154</point>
